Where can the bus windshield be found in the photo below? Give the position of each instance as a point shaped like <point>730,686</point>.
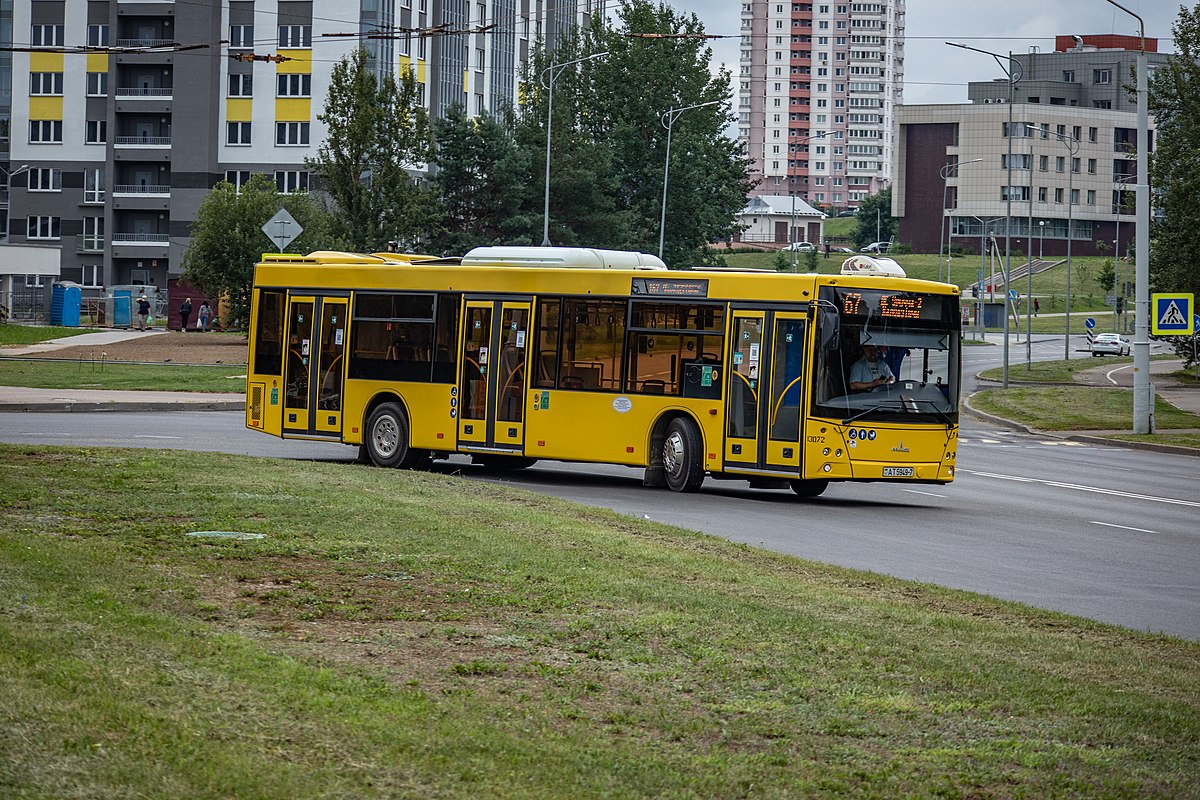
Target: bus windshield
<point>886,355</point>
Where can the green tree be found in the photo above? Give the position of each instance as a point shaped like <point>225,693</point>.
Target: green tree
<point>610,142</point>
<point>481,177</point>
<point>226,239</point>
<point>875,220</point>
<point>378,133</point>
<point>1174,102</point>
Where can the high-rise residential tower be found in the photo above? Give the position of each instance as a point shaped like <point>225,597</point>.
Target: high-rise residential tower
<point>819,83</point>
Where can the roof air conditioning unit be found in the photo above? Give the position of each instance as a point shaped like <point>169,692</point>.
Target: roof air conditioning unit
<point>987,101</point>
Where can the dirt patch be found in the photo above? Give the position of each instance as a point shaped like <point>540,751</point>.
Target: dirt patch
<point>175,347</point>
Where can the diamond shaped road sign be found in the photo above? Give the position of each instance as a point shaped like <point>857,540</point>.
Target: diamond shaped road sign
<point>1172,314</point>
<point>282,229</point>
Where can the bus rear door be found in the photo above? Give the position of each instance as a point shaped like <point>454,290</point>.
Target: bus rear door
<point>492,382</point>
<point>316,337</point>
<point>765,387</point>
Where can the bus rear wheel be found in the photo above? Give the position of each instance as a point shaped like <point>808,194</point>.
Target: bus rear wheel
<point>386,441</point>
<point>809,488</point>
<point>682,462</point>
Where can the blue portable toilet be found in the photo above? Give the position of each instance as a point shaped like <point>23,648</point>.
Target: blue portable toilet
<point>122,316</point>
<point>65,299</point>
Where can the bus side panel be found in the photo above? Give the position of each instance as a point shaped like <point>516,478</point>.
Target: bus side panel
<point>430,407</point>
<point>617,430</point>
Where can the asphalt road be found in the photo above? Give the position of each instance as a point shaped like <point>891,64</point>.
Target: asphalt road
<point>1100,532</point>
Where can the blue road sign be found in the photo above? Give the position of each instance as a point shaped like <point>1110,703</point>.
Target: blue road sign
<point>1172,314</point>
<point>1196,322</point>
<point>1089,323</point>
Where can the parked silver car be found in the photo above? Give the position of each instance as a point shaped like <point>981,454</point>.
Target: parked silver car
<point>1110,344</point>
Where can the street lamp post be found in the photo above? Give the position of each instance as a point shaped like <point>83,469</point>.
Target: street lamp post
<point>549,84</point>
<point>1143,390</point>
<point>792,192</point>
<point>668,121</point>
<point>1072,145</point>
<point>945,173</point>
<point>1014,73</point>
<point>1029,327</point>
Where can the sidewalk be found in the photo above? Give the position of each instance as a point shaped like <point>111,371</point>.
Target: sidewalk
<point>15,398</point>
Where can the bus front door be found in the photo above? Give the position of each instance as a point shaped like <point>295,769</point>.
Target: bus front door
<point>491,386</point>
<point>316,337</point>
<point>765,389</point>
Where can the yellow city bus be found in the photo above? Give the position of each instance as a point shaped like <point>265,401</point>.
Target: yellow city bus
<point>510,355</point>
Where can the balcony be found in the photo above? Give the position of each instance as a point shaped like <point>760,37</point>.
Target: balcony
<point>140,190</point>
<point>145,42</point>
<point>144,93</point>
<point>151,239</point>
<point>152,142</point>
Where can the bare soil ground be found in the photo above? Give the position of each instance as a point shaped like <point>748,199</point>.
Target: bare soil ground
<point>176,347</point>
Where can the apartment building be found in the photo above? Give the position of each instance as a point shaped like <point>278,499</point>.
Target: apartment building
<point>125,114</point>
<point>818,88</point>
<point>1072,130</point>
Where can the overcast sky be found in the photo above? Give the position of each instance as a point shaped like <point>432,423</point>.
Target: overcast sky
<point>936,73</point>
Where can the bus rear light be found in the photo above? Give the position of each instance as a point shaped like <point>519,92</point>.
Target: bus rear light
<point>441,435</point>
<point>712,456</point>
<point>630,450</point>
<point>541,442</point>
<point>354,429</point>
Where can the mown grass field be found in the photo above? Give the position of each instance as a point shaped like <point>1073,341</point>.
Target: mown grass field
<point>398,634</point>
<point>32,334</point>
<point>97,374</point>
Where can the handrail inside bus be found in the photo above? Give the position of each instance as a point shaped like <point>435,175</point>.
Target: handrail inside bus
<point>783,394</point>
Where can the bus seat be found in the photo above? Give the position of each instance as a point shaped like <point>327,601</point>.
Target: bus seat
<point>572,382</point>
<point>654,386</point>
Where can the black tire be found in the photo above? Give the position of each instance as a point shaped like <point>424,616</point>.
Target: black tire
<point>682,456</point>
<point>498,463</point>
<point>809,489</point>
<point>386,438</point>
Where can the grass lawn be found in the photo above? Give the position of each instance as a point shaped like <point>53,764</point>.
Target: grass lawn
<point>32,334</point>
<point>406,634</point>
<point>64,374</point>
<point>1079,408</point>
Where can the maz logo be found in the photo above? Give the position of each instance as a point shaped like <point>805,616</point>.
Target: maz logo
<point>900,448</point>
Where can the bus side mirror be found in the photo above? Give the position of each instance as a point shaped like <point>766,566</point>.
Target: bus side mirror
<point>830,328</point>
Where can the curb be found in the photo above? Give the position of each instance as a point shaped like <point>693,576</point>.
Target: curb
<point>119,407</point>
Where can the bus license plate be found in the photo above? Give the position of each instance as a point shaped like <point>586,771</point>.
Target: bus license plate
<point>897,472</point>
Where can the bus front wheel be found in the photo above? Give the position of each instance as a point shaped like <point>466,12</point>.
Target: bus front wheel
<point>809,488</point>
<point>682,456</point>
<point>387,438</point>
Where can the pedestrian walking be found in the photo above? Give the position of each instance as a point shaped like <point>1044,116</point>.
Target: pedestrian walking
<point>1036,306</point>
<point>143,311</point>
<point>203,314</point>
<point>185,314</point>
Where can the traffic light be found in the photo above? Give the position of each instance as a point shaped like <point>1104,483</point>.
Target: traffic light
<point>1120,304</point>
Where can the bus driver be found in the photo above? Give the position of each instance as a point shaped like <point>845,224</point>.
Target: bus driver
<point>869,371</point>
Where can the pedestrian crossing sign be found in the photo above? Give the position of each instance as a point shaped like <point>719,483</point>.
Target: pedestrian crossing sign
<point>1172,314</point>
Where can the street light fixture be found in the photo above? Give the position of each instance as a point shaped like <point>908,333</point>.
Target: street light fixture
<point>8,176</point>
<point>668,121</point>
<point>792,191</point>
<point>549,84</point>
<point>945,173</point>
<point>1014,74</point>
<point>1072,145</point>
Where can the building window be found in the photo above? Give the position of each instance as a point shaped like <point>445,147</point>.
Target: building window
<point>43,227</point>
<point>295,35</point>
<point>241,85</point>
<point>1041,194</point>
<point>238,177</point>
<point>97,35</point>
<point>1091,197</point>
<point>1060,163</point>
<point>241,36</point>
<point>1068,75</point>
<point>1091,166</point>
<point>1102,76</point>
<point>1092,134</point>
<point>45,179</point>
<point>294,86</point>
<point>45,83</point>
<point>1058,195</point>
<point>1074,197</point>
<point>291,181</point>
<point>93,233</point>
<point>97,131</point>
<point>93,186</point>
<point>93,275</point>
<point>291,133</point>
<point>46,36</point>
<point>45,131</point>
<point>237,133</point>
<point>97,84</point>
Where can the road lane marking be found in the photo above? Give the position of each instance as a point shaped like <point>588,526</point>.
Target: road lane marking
<point>1109,374</point>
<point>1122,527</point>
<point>1082,488</point>
<point>927,494</point>
<point>154,436</point>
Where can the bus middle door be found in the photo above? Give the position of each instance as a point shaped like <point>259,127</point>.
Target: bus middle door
<point>492,383</point>
<point>765,389</point>
<point>316,339</point>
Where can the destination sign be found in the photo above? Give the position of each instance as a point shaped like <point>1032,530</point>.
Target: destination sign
<point>874,304</point>
<point>661,287</point>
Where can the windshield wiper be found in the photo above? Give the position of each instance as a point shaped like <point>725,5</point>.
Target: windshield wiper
<point>903,404</point>
<point>942,415</point>
<point>889,406</point>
